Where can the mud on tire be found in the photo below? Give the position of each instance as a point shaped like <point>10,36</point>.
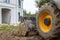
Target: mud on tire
<point>54,33</point>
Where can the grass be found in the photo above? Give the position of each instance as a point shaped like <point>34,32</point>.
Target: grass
<point>8,28</point>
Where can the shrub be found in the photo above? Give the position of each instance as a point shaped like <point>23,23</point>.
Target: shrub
<point>8,27</point>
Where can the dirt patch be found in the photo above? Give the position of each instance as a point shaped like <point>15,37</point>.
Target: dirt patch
<point>13,35</point>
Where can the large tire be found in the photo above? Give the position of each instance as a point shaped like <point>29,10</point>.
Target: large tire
<point>54,32</point>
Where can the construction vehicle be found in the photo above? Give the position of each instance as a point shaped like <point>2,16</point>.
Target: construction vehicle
<point>28,26</point>
<point>47,23</point>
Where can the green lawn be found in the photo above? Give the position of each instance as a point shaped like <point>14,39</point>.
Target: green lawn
<point>8,28</point>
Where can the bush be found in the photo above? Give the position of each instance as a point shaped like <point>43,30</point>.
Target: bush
<point>8,27</point>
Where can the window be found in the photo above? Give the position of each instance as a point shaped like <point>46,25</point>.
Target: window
<point>18,16</point>
<point>19,3</point>
<point>7,1</point>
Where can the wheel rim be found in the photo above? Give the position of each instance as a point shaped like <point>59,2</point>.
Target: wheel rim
<point>45,22</point>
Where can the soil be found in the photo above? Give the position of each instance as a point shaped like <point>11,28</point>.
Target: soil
<point>14,35</point>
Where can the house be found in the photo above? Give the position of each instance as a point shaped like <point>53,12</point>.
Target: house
<point>10,11</point>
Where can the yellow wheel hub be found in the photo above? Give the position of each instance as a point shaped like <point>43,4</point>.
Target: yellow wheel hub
<point>45,22</point>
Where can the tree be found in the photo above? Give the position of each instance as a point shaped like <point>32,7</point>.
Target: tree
<point>39,3</point>
<point>29,14</point>
<point>24,12</point>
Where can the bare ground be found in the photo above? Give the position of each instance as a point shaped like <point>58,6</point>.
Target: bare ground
<point>14,35</point>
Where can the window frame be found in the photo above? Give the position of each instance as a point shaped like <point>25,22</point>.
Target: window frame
<point>19,16</point>
<point>7,1</point>
<point>19,3</point>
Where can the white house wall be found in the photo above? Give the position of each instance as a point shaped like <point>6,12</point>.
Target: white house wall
<point>14,16</point>
<point>13,6</point>
<point>21,9</point>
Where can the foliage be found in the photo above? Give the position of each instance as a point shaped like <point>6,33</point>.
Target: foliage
<point>28,14</point>
<point>8,27</point>
<point>41,2</point>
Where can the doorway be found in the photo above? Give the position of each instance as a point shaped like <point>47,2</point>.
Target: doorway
<point>6,16</point>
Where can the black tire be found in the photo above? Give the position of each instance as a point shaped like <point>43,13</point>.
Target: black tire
<point>54,33</point>
<point>30,27</point>
<point>28,24</point>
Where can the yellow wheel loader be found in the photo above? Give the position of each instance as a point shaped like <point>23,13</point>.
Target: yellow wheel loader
<point>47,21</point>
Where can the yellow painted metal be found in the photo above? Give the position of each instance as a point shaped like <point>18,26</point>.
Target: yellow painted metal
<point>44,27</point>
